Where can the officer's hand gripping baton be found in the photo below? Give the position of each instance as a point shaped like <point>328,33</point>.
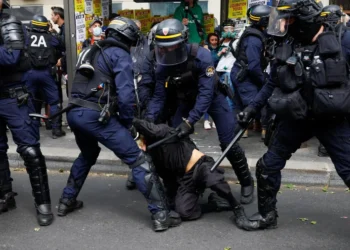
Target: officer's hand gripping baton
<point>45,117</point>
<point>233,142</point>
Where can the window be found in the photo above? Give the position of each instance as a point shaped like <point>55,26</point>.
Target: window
<point>116,7</point>
<point>164,9</point>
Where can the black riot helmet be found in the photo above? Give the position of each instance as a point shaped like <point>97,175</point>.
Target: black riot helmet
<point>331,14</point>
<point>170,42</point>
<point>259,15</point>
<point>300,18</point>
<point>124,30</point>
<point>300,9</point>
<point>39,23</point>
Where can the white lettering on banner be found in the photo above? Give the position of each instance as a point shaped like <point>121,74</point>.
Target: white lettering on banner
<point>41,41</point>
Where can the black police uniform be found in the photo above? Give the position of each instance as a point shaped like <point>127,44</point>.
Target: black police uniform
<point>310,95</point>
<point>14,110</point>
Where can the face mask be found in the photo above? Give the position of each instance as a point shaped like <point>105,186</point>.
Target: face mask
<point>230,35</point>
<point>97,31</point>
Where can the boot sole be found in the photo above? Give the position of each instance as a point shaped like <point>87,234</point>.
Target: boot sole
<point>69,210</point>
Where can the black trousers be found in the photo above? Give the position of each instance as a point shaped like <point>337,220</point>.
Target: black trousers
<point>193,184</point>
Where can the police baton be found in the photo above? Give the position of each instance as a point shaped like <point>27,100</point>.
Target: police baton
<point>233,142</point>
<point>156,144</point>
<point>45,117</point>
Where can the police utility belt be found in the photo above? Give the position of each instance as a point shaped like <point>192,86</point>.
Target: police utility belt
<point>313,81</point>
<point>20,93</point>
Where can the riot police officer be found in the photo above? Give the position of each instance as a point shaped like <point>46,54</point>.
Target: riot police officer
<point>14,114</point>
<point>103,95</point>
<point>145,85</point>
<point>247,74</point>
<point>186,73</point>
<point>42,52</point>
<point>310,94</point>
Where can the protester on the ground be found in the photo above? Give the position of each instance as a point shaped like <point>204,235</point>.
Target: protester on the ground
<point>186,174</point>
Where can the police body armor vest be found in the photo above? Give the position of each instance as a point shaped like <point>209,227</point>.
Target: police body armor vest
<point>315,83</point>
<point>184,84</point>
<point>240,54</point>
<point>40,50</point>
<point>12,38</point>
<point>82,85</point>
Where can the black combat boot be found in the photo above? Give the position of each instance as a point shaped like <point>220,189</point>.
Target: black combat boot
<point>7,197</point>
<point>239,164</point>
<point>68,205</point>
<point>130,183</point>
<point>267,215</point>
<point>322,152</point>
<point>7,201</point>
<point>36,168</point>
<point>218,204</point>
<point>163,220</point>
<point>242,221</point>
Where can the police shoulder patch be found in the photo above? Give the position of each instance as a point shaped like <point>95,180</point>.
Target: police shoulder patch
<point>210,71</point>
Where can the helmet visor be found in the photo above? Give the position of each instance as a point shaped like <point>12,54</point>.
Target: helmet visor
<point>278,23</point>
<point>171,55</point>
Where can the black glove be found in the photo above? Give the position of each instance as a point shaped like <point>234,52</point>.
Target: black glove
<point>185,129</point>
<point>134,132</point>
<point>244,116</point>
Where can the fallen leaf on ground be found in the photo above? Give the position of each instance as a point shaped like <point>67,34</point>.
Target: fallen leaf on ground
<point>227,248</point>
<point>290,186</point>
<point>303,219</point>
<point>60,170</point>
<point>36,229</point>
<point>313,222</point>
<point>325,189</point>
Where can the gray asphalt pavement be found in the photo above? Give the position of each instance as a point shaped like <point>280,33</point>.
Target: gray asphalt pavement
<point>113,218</point>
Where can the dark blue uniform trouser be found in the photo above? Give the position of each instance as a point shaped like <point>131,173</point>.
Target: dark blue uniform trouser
<point>43,80</point>
<point>88,133</point>
<point>289,135</point>
<point>23,132</point>
<point>221,114</point>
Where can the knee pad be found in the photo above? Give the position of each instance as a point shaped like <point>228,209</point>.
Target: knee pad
<point>33,157</point>
<point>262,171</point>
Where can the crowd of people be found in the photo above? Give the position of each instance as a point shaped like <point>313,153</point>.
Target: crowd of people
<point>140,96</point>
